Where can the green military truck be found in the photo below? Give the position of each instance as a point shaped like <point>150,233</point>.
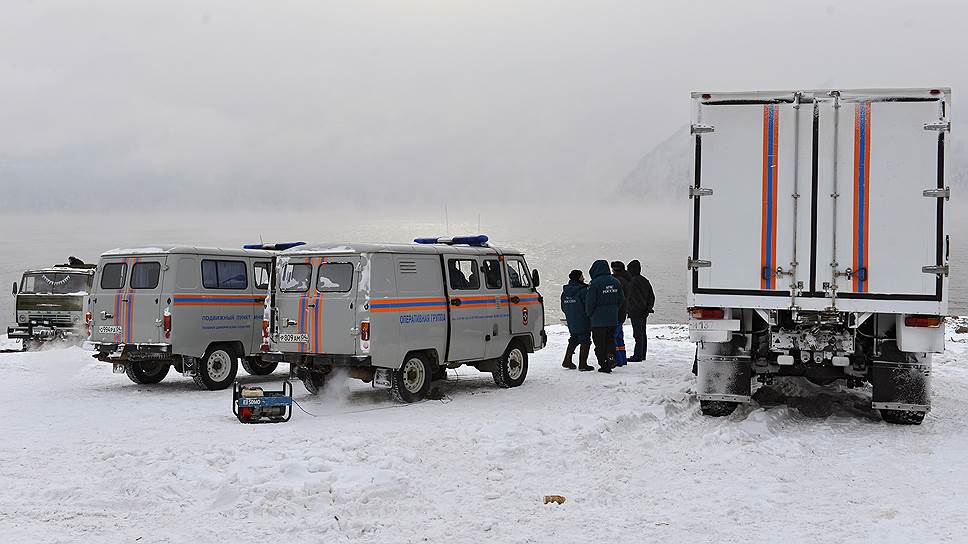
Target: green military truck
<point>50,304</point>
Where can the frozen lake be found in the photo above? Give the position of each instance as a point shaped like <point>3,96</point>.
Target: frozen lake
<point>555,241</point>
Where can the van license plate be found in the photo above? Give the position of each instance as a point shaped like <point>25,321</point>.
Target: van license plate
<point>293,338</point>
<point>109,329</point>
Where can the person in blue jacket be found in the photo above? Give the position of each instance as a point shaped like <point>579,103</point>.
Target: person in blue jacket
<point>602,303</point>
<point>579,326</point>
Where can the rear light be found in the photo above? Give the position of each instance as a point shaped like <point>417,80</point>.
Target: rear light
<point>265,335</point>
<point>932,321</point>
<point>166,323</point>
<point>87,323</point>
<point>707,313</point>
<point>365,331</point>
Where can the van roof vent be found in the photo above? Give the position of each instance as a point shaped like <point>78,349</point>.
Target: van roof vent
<point>478,240</point>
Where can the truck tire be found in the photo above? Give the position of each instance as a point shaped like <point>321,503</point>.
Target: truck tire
<point>902,417</point>
<point>217,369</point>
<point>411,382</point>
<point>717,408</point>
<point>512,368</point>
<point>147,372</point>
<point>256,367</point>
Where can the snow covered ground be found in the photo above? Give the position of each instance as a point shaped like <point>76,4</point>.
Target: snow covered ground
<point>88,456</point>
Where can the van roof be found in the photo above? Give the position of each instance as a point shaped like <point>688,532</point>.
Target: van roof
<point>426,249</point>
<point>192,250</point>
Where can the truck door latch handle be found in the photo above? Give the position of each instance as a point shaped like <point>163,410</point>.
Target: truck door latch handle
<point>455,302</point>
<point>515,300</point>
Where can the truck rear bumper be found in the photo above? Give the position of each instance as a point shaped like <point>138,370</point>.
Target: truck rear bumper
<point>118,353</point>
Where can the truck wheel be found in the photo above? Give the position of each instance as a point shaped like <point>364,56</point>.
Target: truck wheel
<point>217,369</point>
<point>147,372</point>
<point>512,368</point>
<point>412,382</point>
<point>717,408</point>
<point>256,367</point>
<point>902,417</point>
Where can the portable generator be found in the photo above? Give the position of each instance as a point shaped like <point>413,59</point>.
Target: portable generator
<point>256,405</point>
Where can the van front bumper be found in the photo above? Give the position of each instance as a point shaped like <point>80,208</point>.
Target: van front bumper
<point>115,353</point>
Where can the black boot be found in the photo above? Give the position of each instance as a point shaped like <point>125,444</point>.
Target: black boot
<point>583,358</point>
<point>568,355</point>
<point>608,365</point>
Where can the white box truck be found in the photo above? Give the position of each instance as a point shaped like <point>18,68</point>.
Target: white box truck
<point>819,243</point>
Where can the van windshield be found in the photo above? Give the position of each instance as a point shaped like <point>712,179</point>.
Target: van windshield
<point>55,283</point>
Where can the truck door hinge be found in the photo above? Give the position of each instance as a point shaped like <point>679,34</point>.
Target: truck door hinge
<point>939,269</point>
<point>938,193</point>
<point>701,129</point>
<point>699,191</point>
<point>697,263</point>
<point>940,126</point>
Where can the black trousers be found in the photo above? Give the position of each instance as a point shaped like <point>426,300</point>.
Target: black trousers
<point>604,338</point>
<point>641,339</point>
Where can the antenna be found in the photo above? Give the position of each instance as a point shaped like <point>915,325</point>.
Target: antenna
<point>446,221</point>
<point>478,223</point>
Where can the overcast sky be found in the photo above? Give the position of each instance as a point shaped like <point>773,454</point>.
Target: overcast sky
<point>381,104</point>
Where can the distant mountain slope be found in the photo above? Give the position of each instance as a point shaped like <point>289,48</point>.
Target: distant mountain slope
<point>663,173</point>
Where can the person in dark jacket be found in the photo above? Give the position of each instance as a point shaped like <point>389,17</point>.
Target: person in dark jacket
<point>579,326</point>
<point>641,299</point>
<point>619,272</point>
<point>602,304</point>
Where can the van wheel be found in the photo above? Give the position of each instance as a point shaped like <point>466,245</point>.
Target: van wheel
<point>902,417</point>
<point>217,369</point>
<point>313,381</point>
<point>255,367</point>
<point>512,368</point>
<point>717,408</point>
<point>412,382</point>
<point>146,372</point>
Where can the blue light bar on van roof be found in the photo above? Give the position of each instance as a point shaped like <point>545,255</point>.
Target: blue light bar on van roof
<point>282,246</point>
<point>479,240</point>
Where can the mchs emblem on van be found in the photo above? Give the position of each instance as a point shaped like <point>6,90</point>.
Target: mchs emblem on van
<point>524,316</point>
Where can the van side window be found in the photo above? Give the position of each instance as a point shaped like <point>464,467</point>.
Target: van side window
<point>518,276</point>
<point>492,274</point>
<point>224,275</point>
<point>145,275</point>
<point>334,277</point>
<point>260,275</point>
<point>112,275</point>
<point>295,278</point>
<point>463,275</point>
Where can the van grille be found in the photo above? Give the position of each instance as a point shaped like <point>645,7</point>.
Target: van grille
<point>408,267</point>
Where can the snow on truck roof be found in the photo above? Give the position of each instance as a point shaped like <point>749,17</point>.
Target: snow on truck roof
<point>193,250</point>
<point>425,249</point>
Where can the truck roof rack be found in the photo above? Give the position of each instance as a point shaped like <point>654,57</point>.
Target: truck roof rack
<point>478,240</point>
<point>281,246</point>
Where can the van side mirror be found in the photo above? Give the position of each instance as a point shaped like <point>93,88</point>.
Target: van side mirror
<point>14,291</point>
<point>535,278</point>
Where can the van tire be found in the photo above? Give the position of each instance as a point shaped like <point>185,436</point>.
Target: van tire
<point>256,367</point>
<point>147,373</point>
<point>217,369</point>
<point>512,368</point>
<point>411,383</point>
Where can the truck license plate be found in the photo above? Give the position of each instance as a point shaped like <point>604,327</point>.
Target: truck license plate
<point>109,329</point>
<point>293,338</point>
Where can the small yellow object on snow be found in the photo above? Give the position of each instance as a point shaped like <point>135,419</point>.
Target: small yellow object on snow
<point>557,499</point>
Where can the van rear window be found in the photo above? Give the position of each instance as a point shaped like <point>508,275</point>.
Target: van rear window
<point>145,275</point>
<point>296,277</point>
<point>112,275</point>
<point>334,277</point>
<point>224,275</point>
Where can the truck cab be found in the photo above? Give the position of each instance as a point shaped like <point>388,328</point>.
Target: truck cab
<point>400,315</point>
<point>50,303</point>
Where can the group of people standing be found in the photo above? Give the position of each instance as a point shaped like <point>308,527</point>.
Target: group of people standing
<point>598,310</point>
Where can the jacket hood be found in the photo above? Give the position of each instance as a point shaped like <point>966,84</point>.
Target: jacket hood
<point>600,268</point>
<point>573,287</point>
<point>635,268</point>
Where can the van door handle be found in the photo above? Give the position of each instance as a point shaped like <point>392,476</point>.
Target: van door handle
<point>311,305</point>
<point>455,302</point>
<point>515,299</point>
<point>105,315</point>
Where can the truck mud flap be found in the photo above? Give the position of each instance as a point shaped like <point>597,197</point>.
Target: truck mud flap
<point>724,378</point>
<point>901,386</point>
